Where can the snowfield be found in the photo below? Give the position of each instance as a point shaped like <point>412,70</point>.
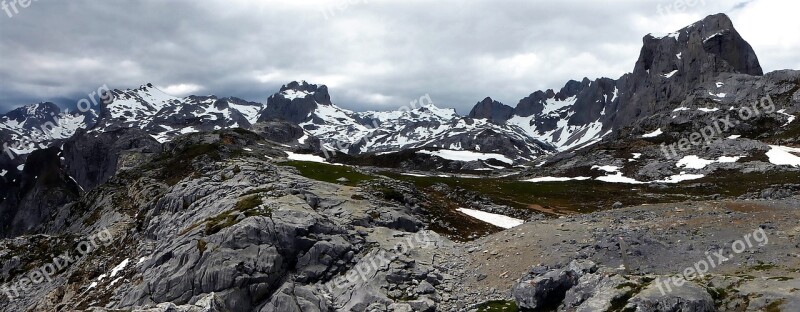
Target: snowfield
<point>784,156</point>
<point>467,156</point>
<point>556,179</point>
<point>653,134</point>
<point>491,218</point>
<point>306,157</point>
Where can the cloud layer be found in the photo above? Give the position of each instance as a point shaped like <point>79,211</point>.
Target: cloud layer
<point>373,54</point>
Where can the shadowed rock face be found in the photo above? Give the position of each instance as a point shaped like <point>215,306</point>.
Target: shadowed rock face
<point>295,102</point>
<point>42,187</point>
<point>670,67</point>
<point>92,159</point>
<point>492,110</point>
<point>667,70</point>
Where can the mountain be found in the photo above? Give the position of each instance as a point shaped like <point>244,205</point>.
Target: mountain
<point>415,127</point>
<point>693,60</point>
<point>165,116</point>
<point>35,126</point>
<point>669,67</point>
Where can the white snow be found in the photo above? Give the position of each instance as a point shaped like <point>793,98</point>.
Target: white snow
<point>653,134</point>
<point>618,178</point>
<point>675,35</point>
<point>610,169</point>
<point>679,55</point>
<point>637,155</point>
<point>712,36</point>
<point>708,110</point>
<point>735,136</point>
<point>791,117</point>
<point>670,74</point>
<point>3,173</point>
<point>467,155</point>
<point>695,162</point>
<point>720,84</point>
<point>729,159</point>
<point>305,157</point>
<point>555,179</point>
<point>491,218</point>
<point>294,94</point>
<point>119,267</point>
<point>784,156</point>
<point>719,95</point>
<point>681,177</point>
<point>21,167</point>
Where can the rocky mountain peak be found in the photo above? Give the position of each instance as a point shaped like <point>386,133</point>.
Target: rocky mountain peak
<point>43,110</point>
<point>706,48</point>
<point>492,110</point>
<point>295,102</point>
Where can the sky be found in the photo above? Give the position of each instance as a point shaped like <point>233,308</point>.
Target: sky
<point>372,54</point>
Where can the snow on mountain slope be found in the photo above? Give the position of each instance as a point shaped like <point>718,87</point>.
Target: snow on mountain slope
<point>34,126</point>
<point>350,132</point>
<point>165,116</point>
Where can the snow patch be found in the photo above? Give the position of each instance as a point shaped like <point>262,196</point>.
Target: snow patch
<point>618,178</point>
<point>653,134</point>
<point>784,156</point>
<point>670,74</point>
<point>695,162</point>
<point>609,169</point>
<point>467,155</point>
<point>491,218</point>
<point>305,157</point>
<point>556,179</point>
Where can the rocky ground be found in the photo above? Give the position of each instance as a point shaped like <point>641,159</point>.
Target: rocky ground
<point>222,222</point>
<point>658,240</point>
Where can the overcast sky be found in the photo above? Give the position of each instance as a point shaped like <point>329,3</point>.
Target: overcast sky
<point>373,54</point>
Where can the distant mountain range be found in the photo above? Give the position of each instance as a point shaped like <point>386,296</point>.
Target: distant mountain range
<point>707,63</point>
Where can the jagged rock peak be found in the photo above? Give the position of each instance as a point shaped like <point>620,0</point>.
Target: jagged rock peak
<point>303,89</point>
<point>295,102</point>
<point>709,46</point>
<point>492,110</point>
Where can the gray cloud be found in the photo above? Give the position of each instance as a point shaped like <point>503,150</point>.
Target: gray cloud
<point>374,54</point>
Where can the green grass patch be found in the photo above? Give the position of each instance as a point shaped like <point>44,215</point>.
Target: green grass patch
<point>774,306</point>
<point>248,206</point>
<point>589,196</point>
<point>498,306</point>
<point>201,246</point>
<point>781,278</point>
<point>248,203</point>
<point>328,173</point>
<point>763,266</point>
